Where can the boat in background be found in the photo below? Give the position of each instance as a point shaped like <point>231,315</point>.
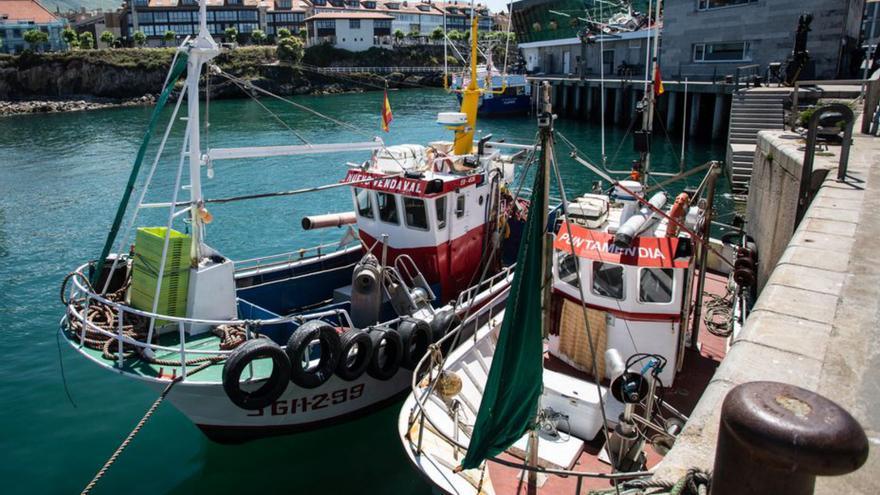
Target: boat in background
<point>507,94</point>
<point>299,340</point>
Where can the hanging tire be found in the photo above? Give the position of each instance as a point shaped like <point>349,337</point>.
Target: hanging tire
<point>415,335</point>
<point>350,368</point>
<point>387,352</point>
<point>444,321</point>
<point>299,345</point>
<point>268,392</point>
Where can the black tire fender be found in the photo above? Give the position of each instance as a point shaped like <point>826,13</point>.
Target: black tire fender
<point>351,369</point>
<point>444,321</point>
<point>298,344</point>
<point>415,335</point>
<point>274,386</point>
<point>387,341</point>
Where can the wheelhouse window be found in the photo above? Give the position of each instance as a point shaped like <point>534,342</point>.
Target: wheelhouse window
<point>608,280</point>
<point>364,206</point>
<point>416,213</point>
<point>717,4</point>
<point>722,52</point>
<point>655,285</point>
<point>387,208</point>
<point>459,206</point>
<point>440,205</point>
<point>566,267</point>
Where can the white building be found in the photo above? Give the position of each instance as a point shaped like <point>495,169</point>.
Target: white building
<point>354,31</point>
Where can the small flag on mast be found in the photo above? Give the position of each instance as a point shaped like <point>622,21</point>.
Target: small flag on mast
<point>658,82</point>
<point>387,117</point>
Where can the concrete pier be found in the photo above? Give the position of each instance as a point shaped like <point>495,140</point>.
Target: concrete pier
<point>578,98</point>
<point>814,324</point>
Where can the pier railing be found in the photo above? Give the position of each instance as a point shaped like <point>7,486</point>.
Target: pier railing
<point>386,70</point>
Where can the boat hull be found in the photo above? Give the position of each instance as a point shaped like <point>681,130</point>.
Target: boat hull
<point>499,106</point>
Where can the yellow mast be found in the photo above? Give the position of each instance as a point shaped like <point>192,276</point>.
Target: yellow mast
<point>470,100</point>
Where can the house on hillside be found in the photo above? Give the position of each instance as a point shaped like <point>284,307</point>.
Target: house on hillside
<point>156,17</point>
<point>353,31</point>
<point>19,16</point>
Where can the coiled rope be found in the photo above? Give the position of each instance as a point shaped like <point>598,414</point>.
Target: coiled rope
<point>719,313</point>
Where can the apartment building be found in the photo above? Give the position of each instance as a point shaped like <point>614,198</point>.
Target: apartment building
<point>19,16</point>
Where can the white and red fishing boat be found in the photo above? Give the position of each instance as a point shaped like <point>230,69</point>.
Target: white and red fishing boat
<point>296,341</point>
<point>589,374</point>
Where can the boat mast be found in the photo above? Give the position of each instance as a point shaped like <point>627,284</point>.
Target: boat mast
<point>201,51</point>
<point>648,123</point>
<point>470,99</point>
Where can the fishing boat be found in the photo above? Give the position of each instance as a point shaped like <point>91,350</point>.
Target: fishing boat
<point>300,340</point>
<point>505,95</point>
<point>585,380</point>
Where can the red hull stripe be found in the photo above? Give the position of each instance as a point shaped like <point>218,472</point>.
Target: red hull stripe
<point>409,187</point>
<point>625,315</point>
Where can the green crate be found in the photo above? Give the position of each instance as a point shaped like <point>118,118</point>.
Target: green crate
<point>148,247</point>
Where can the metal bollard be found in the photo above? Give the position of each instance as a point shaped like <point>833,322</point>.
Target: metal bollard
<point>776,438</point>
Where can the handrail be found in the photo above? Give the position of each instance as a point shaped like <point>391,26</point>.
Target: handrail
<point>751,70</point>
<point>805,194</point>
<point>378,69</point>
<point>256,263</point>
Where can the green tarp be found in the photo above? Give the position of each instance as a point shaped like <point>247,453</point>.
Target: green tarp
<point>513,388</point>
<point>176,71</point>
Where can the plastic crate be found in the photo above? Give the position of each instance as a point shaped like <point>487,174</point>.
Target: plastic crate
<point>145,271</point>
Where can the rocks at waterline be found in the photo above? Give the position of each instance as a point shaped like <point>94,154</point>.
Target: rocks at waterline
<point>69,105</point>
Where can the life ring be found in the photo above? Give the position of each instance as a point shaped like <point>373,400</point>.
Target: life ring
<point>274,386</point>
<point>387,352</point>
<point>299,345</point>
<point>415,336</point>
<point>356,351</point>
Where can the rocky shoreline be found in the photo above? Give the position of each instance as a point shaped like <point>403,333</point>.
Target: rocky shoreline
<point>14,107</point>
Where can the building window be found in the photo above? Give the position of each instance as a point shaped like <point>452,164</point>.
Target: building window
<point>233,2</point>
<point>382,23</point>
<point>364,206</point>
<point>325,24</point>
<point>655,285</point>
<point>285,4</point>
<point>566,266</point>
<point>179,16</point>
<point>722,52</point>
<point>416,213</point>
<point>607,280</point>
<point>369,5</point>
<point>717,4</point>
<point>354,24</point>
<point>141,3</point>
<point>440,205</point>
<point>145,17</point>
<point>387,207</point>
<point>459,206</point>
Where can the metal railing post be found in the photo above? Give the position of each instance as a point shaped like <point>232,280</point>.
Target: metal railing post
<point>119,318</point>
<point>805,192</point>
<point>180,331</point>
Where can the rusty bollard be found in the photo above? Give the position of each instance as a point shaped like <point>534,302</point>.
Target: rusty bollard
<point>776,438</point>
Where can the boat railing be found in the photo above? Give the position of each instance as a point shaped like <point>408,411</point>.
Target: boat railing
<point>385,70</point>
<point>466,297</point>
<point>81,296</point>
<point>289,257</point>
<point>429,368</point>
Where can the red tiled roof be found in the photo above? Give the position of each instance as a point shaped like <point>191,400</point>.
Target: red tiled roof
<point>349,15</point>
<point>25,10</point>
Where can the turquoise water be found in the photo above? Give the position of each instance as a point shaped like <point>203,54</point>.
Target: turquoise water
<point>61,177</point>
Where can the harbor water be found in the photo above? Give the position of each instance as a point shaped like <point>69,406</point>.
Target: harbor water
<point>61,177</point>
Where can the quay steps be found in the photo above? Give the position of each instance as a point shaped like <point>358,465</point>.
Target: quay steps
<point>751,111</point>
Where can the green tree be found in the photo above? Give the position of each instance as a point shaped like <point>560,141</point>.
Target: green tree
<point>437,33</point>
<point>284,33</point>
<point>169,36</point>
<point>455,35</point>
<point>86,40</point>
<point>398,35</point>
<point>304,33</point>
<point>290,50</point>
<point>108,37</point>
<point>414,34</point>
<point>35,37</point>
<point>139,38</point>
<point>231,34</point>
<point>70,37</point>
<point>258,36</point>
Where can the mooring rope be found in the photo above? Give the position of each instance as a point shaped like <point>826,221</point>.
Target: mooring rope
<point>140,424</point>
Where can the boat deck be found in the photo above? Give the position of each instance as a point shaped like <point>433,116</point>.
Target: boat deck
<point>698,368</point>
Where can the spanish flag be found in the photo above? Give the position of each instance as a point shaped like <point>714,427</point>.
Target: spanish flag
<point>658,82</point>
<point>386,112</point>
